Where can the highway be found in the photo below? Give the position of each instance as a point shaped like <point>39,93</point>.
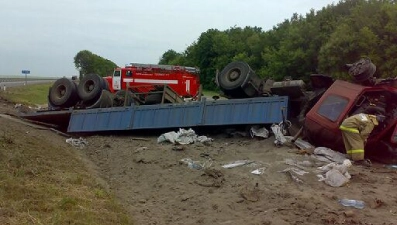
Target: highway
<point>15,83</point>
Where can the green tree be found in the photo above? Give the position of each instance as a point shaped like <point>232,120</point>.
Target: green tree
<point>362,35</point>
<point>171,57</point>
<point>319,42</point>
<point>87,62</point>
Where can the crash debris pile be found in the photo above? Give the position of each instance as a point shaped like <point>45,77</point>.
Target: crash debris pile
<point>336,175</point>
<point>183,137</point>
<point>330,166</point>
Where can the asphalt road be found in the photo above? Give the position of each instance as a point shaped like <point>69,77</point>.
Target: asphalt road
<point>8,83</point>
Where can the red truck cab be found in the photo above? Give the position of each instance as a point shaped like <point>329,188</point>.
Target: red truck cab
<point>344,99</point>
<point>145,77</point>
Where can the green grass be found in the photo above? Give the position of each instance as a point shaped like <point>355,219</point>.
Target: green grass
<point>208,93</point>
<point>44,182</point>
<point>35,94</point>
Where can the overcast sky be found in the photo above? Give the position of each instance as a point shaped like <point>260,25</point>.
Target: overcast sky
<point>43,36</point>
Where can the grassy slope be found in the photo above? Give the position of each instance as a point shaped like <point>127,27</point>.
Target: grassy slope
<point>35,94</point>
<point>46,182</point>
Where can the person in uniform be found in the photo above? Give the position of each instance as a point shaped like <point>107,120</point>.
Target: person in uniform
<point>355,131</point>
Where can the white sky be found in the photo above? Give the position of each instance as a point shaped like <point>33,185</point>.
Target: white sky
<point>43,36</point>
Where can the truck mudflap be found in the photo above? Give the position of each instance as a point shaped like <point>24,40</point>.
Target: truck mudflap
<point>265,110</point>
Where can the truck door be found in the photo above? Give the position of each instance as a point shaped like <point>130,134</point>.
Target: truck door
<point>322,122</point>
<point>116,84</point>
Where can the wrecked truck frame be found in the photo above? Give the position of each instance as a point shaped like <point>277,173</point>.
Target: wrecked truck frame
<point>344,99</point>
<point>321,111</point>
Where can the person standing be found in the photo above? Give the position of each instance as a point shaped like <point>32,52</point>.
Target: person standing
<point>355,131</point>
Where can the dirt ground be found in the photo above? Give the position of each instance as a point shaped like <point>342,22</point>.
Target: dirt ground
<point>156,187</point>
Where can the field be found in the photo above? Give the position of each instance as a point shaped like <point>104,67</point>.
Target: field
<point>32,95</point>
<point>128,177</point>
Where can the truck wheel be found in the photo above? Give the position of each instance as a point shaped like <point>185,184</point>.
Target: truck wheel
<point>63,93</point>
<point>121,99</point>
<point>233,75</point>
<point>362,70</point>
<point>152,99</point>
<point>90,87</point>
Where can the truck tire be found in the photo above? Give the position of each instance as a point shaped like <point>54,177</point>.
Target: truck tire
<point>233,75</point>
<point>90,87</point>
<point>121,99</point>
<point>152,99</point>
<point>105,100</point>
<point>63,93</point>
<point>362,70</point>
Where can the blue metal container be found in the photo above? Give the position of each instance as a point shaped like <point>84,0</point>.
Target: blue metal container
<point>266,110</point>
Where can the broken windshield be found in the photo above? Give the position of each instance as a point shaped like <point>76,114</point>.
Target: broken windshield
<point>332,107</point>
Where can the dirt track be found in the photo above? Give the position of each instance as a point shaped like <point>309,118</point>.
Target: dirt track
<point>154,185</point>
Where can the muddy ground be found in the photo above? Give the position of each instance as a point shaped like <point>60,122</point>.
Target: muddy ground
<point>153,184</point>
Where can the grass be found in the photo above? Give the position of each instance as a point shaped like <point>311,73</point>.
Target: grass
<point>46,182</point>
<point>42,182</point>
<point>208,93</point>
<point>35,94</point>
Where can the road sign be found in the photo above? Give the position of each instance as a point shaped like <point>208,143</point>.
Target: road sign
<point>26,72</point>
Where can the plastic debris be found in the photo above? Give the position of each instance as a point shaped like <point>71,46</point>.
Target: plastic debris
<point>259,171</point>
<point>278,133</point>
<point>336,175</point>
<point>352,203</point>
<point>183,137</point>
<point>196,164</point>
<point>256,131</point>
<point>237,163</point>
<point>328,155</point>
<point>304,145</point>
<point>78,143</point>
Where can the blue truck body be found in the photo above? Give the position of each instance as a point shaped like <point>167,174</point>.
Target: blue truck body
<point>263,110</point>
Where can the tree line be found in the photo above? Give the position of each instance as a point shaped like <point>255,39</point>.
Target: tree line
<point>319,42</point>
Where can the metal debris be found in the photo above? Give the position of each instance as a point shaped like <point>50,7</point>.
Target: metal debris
<point>78,143</point>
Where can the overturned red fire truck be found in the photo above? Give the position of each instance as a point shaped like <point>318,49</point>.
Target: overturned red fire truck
<point>138,83</point>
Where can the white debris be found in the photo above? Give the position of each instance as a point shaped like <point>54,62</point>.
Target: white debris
<point>278,133</point>
<point>328,155</point>
<point>259,171</point>
<point>301,144</point>
<point>183,137</point>
<point>196,164</point>
<point>237,163</point>
<point>336,174</point>
<point>256,131</point>
<point>78,143</point>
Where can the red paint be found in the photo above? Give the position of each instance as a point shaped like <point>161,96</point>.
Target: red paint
<point>144,77</point>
